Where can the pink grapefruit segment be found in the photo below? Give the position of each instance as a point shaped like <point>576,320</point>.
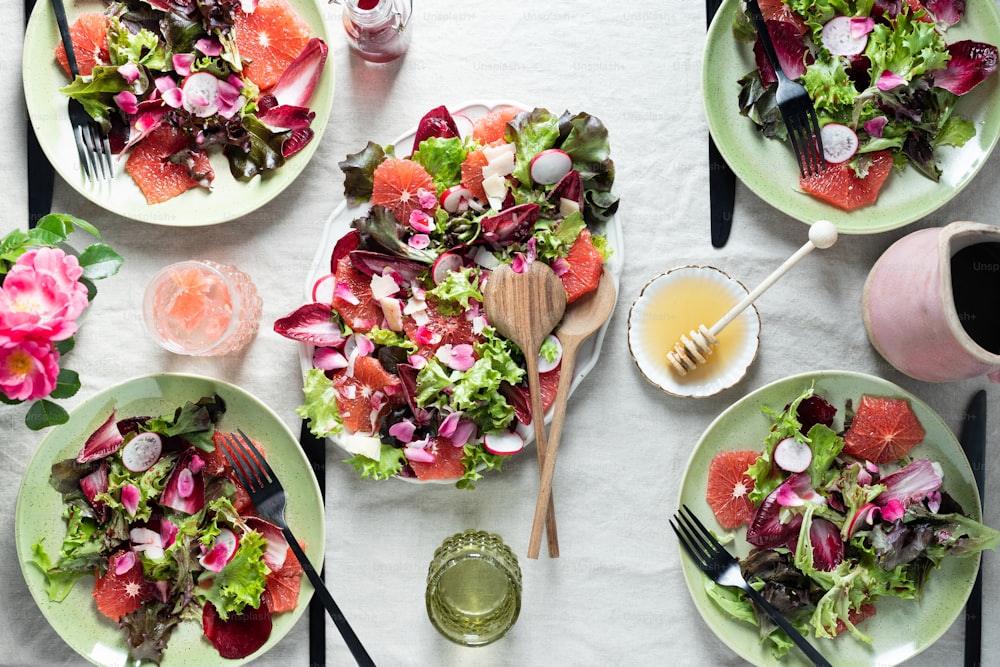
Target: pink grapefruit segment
<point>839,186</point>
<point>158,176</point>
<point>269,39</point>
<point>883,430</point>
<point>729,487</point>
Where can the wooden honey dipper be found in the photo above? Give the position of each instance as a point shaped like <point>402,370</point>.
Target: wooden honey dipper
<point>691,351</point>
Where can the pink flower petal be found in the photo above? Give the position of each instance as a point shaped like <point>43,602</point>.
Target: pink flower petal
<point>403,430</point>
<point>127,101</point>
<point>419,454</point>
<point>861,26</point>
<point>182,63</point>
<point>130,498</point>
<point>889,80</point>
<point>426,199</point>
<point>421,222</point>
<point>875,126</point>
<point>419,241</point>
<point>343,291</point>
<point>209,46</point>
<point>328,359</point>
<point>129,72</point>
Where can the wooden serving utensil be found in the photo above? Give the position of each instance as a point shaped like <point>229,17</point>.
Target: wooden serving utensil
<point>689,353</point>
<point>526,307</point>
<point>583,317</point>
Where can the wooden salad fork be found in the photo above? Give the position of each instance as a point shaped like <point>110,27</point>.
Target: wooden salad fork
<point>92,143</point>
<point>268,496</point>
<point>794,103</point>
<point>722,568</point>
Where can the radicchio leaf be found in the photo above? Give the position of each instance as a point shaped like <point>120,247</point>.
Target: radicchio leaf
<point>512,225</point>
<point>311,323</point>
<point>790,46</point>
<point>296,84</point>
<point>184,490</point>
<point>767,531</point>
<point>911,484</point>
<point>946,12</point>
<point>828,547</point>
<point>436,123</point>
<point>239,635</point>
<point>102,442</point>
<point>971,63</point>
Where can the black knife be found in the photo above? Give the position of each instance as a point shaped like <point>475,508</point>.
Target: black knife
<point>974,443</point>
<point>40,173</point>
<point>315,450</point>
<point>721,179</point>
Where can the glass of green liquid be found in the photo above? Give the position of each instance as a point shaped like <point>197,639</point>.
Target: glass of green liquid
<point>473,588</point>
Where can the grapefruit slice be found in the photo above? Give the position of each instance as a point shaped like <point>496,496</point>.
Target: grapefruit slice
<point>729,487</point>
<point>356,305</point>
<point>282,586</point>
<point>472,173</point>
<point>269,39</point>
<point>493,125</point>
<point>355,392</point>
<point>158,177</point>
<point>584,272</point>
<point>883,430</point>
<point>119,594</point>
<point>395,184</point>
<point>439,329</point>
<point>839,186</point>
<point>447,464</point>
<point>90,43</point>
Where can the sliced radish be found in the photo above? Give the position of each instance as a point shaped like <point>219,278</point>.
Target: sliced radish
<point>456,199</point>
<point>221,551</point>
<point>841,36</point>
<point>840,142</point>
<point>322,291</point>
<point>503,443</point>
<point>142,451</point>
<point>544,364</point>
<point>792,455</point>
<point>463,124</point>
<point>445,264</point>
<point>550,166</point>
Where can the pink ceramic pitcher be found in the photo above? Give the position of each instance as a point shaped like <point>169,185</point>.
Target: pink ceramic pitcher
<point>910,309</point>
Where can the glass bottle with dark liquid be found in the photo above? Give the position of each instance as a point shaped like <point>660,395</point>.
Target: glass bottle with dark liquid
<point>377,29</point>
<point>975,284</point>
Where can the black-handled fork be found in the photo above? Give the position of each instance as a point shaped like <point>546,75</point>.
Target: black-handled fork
<point>91,141</point>
<point>268,496</point>
<point>793,102</point>
<point>723,568</point>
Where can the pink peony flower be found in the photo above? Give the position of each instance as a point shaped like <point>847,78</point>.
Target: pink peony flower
<point>41,296</point>
<point>28,369</point>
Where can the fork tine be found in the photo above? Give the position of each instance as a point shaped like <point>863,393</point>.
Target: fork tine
<point>82,151</point>
<point>98,158</point>
<point>702,535</point>
<point>684,537</point>
<point>258,457</point>
<point>234,461</point>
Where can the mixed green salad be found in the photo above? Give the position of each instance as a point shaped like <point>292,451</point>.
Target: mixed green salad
<point>154,513</point>
<point>882,76</point>
<point>407,374</point>
<point>837,532</point>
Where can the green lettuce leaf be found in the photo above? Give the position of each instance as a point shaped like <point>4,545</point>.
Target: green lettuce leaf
<point>320,407</point>
<point>442,158</point>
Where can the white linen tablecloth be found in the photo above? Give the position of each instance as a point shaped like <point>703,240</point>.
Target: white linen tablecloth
<point>616,596</point>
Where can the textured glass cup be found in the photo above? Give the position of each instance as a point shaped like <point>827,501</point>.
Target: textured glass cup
<point>201,308</point>
<point>473,588</point>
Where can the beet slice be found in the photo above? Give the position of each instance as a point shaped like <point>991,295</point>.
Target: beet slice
<point>239,635</point>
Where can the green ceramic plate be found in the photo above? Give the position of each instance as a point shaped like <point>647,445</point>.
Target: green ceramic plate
<point>76,619</point>
<point>228,199</point>
<point>901,628</point>
<point>768,167</point>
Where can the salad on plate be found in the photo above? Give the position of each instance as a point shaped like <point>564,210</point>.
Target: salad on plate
<point>407,374</point>
<point>172,82</point>
<point>885,81</point>
<point>837,521</point>
<point>156,515</point>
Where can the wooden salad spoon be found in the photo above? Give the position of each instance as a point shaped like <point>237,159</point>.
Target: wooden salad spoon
<point>583,317</point>
<point>526,307</point>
